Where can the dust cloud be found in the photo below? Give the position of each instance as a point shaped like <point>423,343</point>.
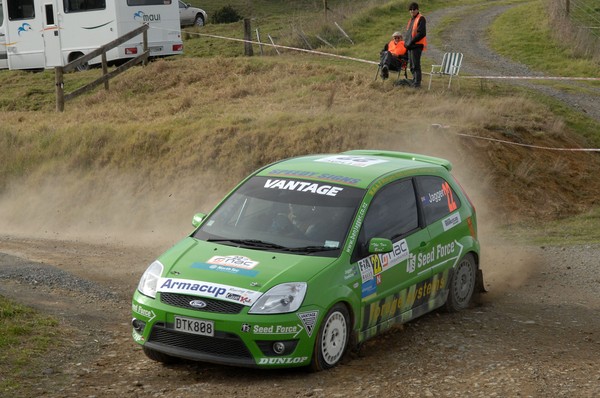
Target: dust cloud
<point>106,207</point>
<point>110,207</point>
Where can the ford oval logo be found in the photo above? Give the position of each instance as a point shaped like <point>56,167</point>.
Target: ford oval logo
<point>198,303</point>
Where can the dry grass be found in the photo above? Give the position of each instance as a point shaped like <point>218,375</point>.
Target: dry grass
<point>169,139</point>
<point>570,30</point>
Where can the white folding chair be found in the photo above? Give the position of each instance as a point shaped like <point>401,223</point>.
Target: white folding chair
<point>450,67</point>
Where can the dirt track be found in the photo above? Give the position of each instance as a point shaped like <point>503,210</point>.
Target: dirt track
<point>536,333</point>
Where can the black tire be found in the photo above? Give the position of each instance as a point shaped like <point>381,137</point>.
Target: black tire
<point>199,21</point>
<point>159,356</point>
<point>462,284</point>
<point>80,68</point>
<point>332,340</point>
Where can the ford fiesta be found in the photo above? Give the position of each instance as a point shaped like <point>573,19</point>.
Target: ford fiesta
<point>310,256</point>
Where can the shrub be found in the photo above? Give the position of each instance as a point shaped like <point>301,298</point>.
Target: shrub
<point>227,14</point>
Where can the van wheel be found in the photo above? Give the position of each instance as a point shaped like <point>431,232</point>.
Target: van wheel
<point>159,356</point>
<point>199,20</point>
<point>332,339</point>
<point>82,67</point>
<point>462,284</point>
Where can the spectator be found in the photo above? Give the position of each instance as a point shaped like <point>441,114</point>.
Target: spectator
<point>415,41</point>
<point>393,55</point>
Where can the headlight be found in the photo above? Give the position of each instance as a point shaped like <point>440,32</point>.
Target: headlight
<point>280,299</point>
<point>149,281</point>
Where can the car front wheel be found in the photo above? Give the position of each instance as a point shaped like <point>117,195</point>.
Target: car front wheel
<point>332,339</point>
<point>199,21</point>
<point>462,284</point>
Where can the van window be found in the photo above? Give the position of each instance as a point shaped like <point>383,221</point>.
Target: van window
<point>21,9</point>
<point>83,5</point>
<point>148,2</point>
<point>437,198</point>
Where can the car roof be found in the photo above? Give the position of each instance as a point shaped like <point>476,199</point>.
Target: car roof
<point>357,168</point>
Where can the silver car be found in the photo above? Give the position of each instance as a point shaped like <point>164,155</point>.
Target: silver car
<point>191,16</point>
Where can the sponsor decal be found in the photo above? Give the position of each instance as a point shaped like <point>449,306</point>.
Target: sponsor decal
<point>207,289</point>
<point>233,261</point>
<point>138,309</point>
<point>25,27</point>
<point>223,268</point>
<point>136,336</point>
<point>372,266</point>
<point>391,307</point>
<point>356,161</point>
<point>451,222</point>
<point>437,196</point>
<point>246,328</point>
<point>369,288</point>
<point>303,186</point>
<point>277,329</point>
<point>282,361</point>
<point>309,320</point>
<point>316,176</point>
<point>141,16</point>
<point>441,253</point>
<point>356,227</point>
<point>350,273</point>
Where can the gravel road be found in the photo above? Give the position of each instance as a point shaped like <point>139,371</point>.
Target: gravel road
<point>535,333</point>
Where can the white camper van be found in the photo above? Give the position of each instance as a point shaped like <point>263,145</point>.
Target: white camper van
<point>49,33</point>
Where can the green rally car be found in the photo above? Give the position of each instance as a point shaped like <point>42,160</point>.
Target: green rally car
<point>309,256</point>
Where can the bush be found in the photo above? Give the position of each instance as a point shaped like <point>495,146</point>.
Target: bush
<point>226,14</point>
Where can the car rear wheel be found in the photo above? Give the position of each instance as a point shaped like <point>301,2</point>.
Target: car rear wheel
<point>199,21</point>
<point>332,340</point>
<point>159,356</point>
<point>462,284</point>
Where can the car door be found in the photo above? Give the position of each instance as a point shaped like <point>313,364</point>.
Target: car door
<point>390,281</point>
<point>441,212</point>
<point>186,16</point>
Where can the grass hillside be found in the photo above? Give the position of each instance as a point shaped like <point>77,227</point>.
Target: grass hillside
<point>169,139</point>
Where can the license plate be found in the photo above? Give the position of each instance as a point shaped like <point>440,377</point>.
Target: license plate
<point>156,49</point>
<point>194,326</point>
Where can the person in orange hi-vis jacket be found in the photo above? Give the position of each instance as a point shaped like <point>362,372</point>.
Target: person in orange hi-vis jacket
<point>415,41</point>
<point>393,55</point>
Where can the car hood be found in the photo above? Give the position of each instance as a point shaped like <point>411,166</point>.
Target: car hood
<point>229,273</point>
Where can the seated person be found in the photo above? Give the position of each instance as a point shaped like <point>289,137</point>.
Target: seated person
<point>393,55</point>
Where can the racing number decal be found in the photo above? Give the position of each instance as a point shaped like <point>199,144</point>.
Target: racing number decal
<point>377,266</point>
<point>448,192</point>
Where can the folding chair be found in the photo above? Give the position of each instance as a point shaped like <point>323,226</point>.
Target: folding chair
<point>403,67</point>
<point>450,67</point>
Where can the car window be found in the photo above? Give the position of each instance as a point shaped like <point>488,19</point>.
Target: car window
<point>393,212</point>
<point>437,198</point>
<point>285,212</point>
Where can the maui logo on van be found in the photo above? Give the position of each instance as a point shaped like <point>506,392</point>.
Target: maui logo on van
<point>143,17</point>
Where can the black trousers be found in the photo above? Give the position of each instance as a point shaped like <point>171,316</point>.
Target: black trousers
<point>414,56</point>
<point>391,60</point>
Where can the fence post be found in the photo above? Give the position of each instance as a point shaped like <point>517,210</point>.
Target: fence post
<point>145,47</point>
<point>105,69</point>
<point>60,93</point>
<point>568,6</point>
<point>247,38</point>
<point>259,42</point>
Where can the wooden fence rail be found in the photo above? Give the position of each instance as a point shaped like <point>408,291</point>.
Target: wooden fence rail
<point>61,97</point>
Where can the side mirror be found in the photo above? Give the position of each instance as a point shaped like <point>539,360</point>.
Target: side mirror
<point>380,245</point>
<point>197,220</point>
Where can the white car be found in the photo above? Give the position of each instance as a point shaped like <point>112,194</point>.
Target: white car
<point>191,16</point>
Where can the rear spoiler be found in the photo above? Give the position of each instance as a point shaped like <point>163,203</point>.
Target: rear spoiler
<point>402,155</point>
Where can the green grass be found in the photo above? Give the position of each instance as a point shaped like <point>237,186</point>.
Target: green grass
<point>523,33</point>
<point>25,338</point>
<point>581,229</point>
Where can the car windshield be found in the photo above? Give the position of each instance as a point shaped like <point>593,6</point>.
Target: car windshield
<point>297,216</point>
